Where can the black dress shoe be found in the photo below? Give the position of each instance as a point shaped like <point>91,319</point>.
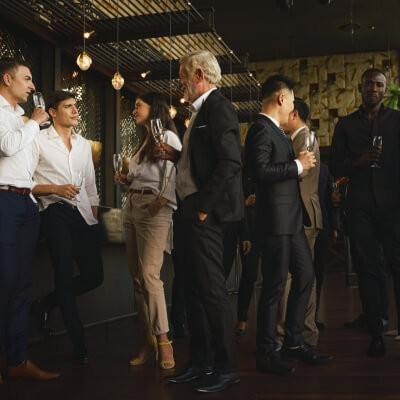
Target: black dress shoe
<point>377,347</point>
<point>41,314</point>
<point>273,364</point>
<point>359,323</point>
<point>189,373</point>
<point>217,382</point>
<point>304,353</point>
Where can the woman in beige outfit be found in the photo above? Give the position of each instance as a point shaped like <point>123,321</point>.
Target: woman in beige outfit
<point>147,218</point>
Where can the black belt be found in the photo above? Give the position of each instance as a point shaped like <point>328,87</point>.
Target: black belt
<point>69,205</point>
<point>141,191</point>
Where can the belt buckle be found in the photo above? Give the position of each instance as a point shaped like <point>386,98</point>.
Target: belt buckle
<point>25,191</point>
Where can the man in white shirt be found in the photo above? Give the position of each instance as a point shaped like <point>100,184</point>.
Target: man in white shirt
<point>65,185</point>
<point>19,217</point>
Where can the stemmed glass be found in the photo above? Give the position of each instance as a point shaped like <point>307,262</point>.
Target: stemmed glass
<point>376,142</point>
<point>38,102</point>
<point>117,163</point>
<point>157,130</point>
<point>310,141</point>
<point>77,182</point>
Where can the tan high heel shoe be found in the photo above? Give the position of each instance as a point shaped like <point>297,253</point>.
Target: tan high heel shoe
<point>137,361</point>
<point>170,363</point>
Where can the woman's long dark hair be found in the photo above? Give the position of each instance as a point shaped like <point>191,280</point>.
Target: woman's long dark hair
<point>158,109</point>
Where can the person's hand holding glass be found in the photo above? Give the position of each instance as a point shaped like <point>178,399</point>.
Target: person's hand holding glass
<point>119,177</point>
<point>39,114</point>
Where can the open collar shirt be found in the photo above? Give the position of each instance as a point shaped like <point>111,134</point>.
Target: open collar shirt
<point>54,164</point>
<point>16,140</point>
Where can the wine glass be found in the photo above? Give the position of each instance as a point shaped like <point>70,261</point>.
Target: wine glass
<point>157,131</point>
<point>117,163</point>
<point>376,142</point>
<point>310,141</point>
<point>77,182</point>
<point>38,102</point>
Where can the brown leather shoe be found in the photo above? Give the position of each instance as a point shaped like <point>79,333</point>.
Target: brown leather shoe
<point>27,369</point>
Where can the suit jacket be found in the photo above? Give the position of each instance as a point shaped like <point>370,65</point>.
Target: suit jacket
<point>368,187</point>
<point>270,161</point>
<point>215,160</point>
<point>309,180</point>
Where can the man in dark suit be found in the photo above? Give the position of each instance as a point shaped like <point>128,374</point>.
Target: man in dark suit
<point>209,186</point>
<point>272,165</point>
<point>373,195</point>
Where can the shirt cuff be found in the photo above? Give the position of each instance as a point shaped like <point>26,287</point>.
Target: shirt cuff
<point>299,167</point>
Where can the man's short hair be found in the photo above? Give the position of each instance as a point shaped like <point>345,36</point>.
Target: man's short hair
<point>274,84</point>
<point>205,60</point>
<point>53,99</point>
<point>372,70</point>
<point>302,108</point>
<point>9,65</point>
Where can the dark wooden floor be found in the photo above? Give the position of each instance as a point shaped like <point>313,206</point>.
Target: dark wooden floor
<point>351,375</point>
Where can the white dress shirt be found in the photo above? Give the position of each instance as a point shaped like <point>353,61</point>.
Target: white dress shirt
<point>54,164</point>
<point>185,185</point>
<point>15,146</point>
<point>158,176</point>
<point>298,163</point>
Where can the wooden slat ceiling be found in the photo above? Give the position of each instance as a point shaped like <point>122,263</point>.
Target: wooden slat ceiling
<point>154,35</point>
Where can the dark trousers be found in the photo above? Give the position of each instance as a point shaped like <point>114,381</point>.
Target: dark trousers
<point>178,286</point>
<point>369,230</point>
<point>282,254</point>
<point>321,248</point>
<point>249,268</point>
<point>71,239</point>
<point>19,227</point>
<point>207,299</point>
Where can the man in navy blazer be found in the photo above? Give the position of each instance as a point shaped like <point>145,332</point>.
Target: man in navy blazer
<point>209,186</point>
<point>279,226</point>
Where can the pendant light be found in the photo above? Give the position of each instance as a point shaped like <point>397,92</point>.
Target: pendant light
<point>117,81</point>
<point>83,60</point>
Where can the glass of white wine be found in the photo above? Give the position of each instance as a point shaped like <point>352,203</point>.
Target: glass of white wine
<point>377,142</point>
<point>117,163</point>
<point>310,141</point>
<point>157,130</point>
<point>38,102</point>
<point>77,182</point>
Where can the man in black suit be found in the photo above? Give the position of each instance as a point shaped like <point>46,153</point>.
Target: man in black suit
<point>373,195</point>
<point>209,186</point>
<point>279,226</point>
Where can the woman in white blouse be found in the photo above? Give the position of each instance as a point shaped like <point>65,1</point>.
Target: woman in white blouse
<point>147,218</point>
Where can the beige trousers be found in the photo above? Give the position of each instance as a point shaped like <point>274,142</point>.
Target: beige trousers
<point>146,239</point>
<point>310,333</point>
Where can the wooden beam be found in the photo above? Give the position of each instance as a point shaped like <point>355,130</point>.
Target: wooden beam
<point>143,27</point>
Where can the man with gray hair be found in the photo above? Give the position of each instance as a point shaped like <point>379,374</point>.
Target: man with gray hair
<point>209,186</point>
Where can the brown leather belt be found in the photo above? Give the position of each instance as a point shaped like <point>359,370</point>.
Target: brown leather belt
<point>24,191</point>
<point>142,191</point>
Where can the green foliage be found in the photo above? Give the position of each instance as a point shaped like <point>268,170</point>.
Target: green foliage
<point>392,97</point>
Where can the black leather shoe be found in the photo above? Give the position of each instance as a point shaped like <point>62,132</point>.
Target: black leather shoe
<point>273,364</point>
<point>41,315</point>
<point>304,353</point>
<point>189,373</point>
<point>216,382</point>
<point>377,347</point>
<point>359,323</point>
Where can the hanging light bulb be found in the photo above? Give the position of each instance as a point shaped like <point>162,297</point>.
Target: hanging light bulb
<point>182,100</point>
<point>172,111</point>
<point>84,61</point>
<point>117,81</point>
<point>144,74</point>
<point>186,123</point>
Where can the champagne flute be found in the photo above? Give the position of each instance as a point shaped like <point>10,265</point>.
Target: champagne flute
<point>117,163</point>
<point>157,131</point>
<point>77,182</point>
<point>310,141</point>
<point>377,142</point>
<point>38,102</point>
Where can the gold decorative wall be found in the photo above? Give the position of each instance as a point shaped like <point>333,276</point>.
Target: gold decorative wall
<point>329,84</point>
